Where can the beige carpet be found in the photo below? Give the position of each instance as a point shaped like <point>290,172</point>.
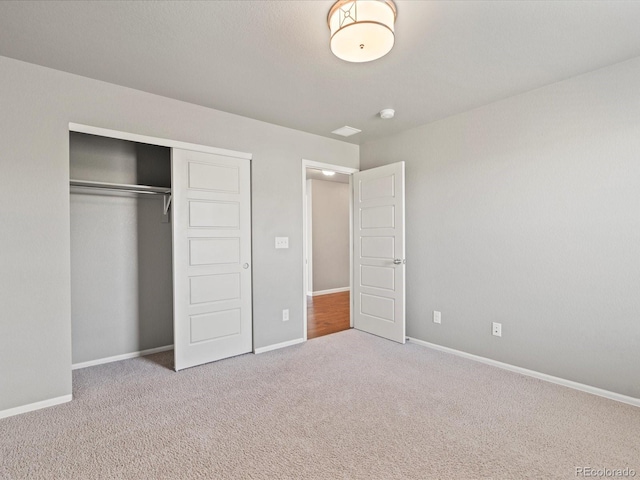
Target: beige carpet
<point>345,406</point>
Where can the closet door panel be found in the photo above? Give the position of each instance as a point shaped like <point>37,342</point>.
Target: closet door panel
<point>213,251</point>
<point>214,288</point>
<point>214,177</point>
<point>215,325</point>
<point>208,214</point>
<point>211,256</point>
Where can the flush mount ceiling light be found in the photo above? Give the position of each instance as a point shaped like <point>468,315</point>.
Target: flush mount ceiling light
<point>362,30</point>
<point>328,173</point>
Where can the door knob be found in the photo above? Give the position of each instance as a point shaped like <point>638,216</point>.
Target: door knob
<point>398,261</point>
<point>245,266</point>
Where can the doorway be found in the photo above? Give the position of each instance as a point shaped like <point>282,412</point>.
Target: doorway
<point>377,265</point>
<point>327,248</point>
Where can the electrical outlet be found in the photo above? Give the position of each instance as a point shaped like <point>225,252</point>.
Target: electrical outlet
<point>496,329</point>
<point>285,315</point>
<point>437,317</point>
<point>282,242</point>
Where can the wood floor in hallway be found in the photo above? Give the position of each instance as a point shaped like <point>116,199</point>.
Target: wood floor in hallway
<point>327,314</point>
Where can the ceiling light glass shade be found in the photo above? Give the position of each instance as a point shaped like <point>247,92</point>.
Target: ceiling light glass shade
<point>362,30</point>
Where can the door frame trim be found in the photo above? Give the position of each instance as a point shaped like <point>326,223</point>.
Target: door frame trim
<point>338,169</point>
<point>162,142</point>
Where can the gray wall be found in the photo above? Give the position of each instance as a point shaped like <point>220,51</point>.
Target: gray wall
<point>37,105</point>
<point>330,232</point>
<point>526,212</point>
<point>121,288</point>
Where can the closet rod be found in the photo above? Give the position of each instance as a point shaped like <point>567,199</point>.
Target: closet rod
<point>121,187</point>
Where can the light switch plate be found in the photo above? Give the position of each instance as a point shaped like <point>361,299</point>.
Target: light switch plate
<point>282,242</point>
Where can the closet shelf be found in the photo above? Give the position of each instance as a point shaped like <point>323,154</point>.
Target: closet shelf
<point>121,187</point>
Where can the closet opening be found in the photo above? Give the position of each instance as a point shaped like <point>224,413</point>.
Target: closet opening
<point>160,249</point>
<point>121,249</point>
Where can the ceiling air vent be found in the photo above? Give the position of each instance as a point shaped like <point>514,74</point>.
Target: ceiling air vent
<point>346,131</point>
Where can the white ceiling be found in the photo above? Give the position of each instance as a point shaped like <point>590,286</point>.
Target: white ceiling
<point>270,60</point>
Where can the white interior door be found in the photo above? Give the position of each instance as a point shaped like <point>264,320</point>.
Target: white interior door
<point>211,257</point>
<point>379,252</point>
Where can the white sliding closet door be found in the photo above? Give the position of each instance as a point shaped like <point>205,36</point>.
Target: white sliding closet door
<point>211,257</point>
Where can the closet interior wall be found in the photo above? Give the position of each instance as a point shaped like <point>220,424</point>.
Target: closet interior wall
<point>121,268</point>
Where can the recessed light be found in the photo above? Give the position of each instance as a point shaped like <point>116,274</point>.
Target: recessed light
<point>346,131</point>
<point>328,173</point>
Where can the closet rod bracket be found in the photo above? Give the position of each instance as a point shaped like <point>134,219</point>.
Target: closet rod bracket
<point>167,203</point>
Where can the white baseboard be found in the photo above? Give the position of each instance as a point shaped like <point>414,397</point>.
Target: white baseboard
<point>332,290</point>
<point>10,412</point>
<point>532,373</point>
<point>278,345</point>
<point>124,356</point>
